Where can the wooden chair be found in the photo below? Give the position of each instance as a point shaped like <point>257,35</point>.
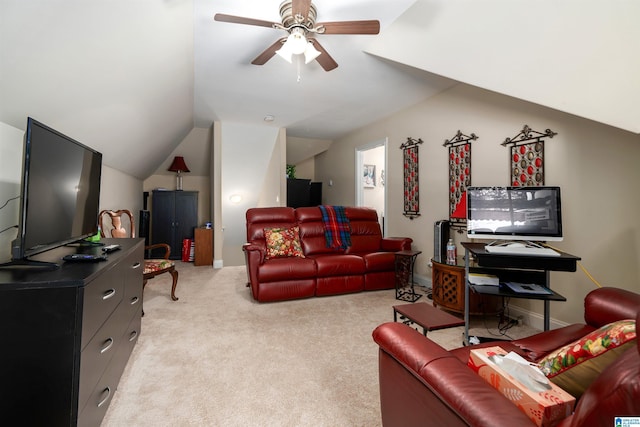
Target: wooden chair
<point>152,267</point>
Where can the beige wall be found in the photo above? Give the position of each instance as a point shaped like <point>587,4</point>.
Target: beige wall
<point>596,166</point>
<point>306,169</point>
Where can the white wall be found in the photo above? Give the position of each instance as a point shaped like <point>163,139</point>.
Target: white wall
<point>593,163</point>
<point>575,56</point>
<point>11,141</point>
<point>252,166</point>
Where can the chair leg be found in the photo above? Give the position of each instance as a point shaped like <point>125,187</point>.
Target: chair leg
<point>174,274</point>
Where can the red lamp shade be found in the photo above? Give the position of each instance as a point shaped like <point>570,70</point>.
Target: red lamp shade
<point>178,165</point>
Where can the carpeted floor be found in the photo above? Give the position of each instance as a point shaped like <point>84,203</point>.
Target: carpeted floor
<point>218,358</point>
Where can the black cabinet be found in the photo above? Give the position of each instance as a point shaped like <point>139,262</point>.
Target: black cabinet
<point>303,192</point>
<point>67,335</point>
<point>174,215</point>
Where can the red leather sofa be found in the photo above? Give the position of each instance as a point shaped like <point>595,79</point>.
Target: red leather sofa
<point>368,264</point>
<point>422,384</point>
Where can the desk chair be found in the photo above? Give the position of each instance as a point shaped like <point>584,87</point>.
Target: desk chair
<point>111,226</point>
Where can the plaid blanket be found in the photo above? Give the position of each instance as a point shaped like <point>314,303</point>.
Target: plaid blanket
<point>337,230</point>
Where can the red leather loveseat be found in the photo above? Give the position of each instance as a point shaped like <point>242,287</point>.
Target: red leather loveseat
<point>368,264</point>
<point>422,384</point>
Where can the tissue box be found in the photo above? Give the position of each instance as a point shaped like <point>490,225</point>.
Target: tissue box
<point>545,408</point>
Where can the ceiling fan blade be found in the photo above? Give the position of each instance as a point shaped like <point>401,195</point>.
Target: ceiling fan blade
<point>324,59</point>
<point>301,7</point>
<point>268,53</point>
<point>221,17</point>
<point>351,27</point>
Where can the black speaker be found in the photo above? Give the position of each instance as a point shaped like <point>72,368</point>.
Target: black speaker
<point>315,194</point>
<point>440,238</point>
<point>143,226</point>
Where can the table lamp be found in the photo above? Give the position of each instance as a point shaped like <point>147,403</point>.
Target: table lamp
<point>178,166</point>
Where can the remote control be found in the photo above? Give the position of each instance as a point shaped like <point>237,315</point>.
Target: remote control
<point>110,248</point>
<point>84,258</point>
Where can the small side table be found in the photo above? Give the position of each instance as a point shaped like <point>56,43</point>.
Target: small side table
<point>404,263</point>
<point>203,246</point>
<point>426,316</point>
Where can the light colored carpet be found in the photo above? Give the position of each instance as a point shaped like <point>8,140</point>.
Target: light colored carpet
<point>218,358</point>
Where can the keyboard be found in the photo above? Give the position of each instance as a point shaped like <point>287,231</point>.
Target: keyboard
<point>519,250</point>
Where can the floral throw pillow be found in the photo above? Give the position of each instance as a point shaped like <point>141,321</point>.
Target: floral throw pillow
<point>574,366</point>
<point>283,242</point>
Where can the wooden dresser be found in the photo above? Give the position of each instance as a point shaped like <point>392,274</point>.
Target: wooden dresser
<point>67,335</point>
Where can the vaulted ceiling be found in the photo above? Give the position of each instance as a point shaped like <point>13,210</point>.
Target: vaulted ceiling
<point>133,78</point>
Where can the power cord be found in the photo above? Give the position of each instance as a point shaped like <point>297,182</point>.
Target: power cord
<point>3,206</point>
<point>582,267</point>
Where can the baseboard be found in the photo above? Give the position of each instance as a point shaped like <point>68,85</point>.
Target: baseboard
<point>422,280</point>
<point>217,263</point>
<point>533,319</point>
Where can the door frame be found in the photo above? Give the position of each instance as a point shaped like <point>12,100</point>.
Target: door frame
<point>360,174</point>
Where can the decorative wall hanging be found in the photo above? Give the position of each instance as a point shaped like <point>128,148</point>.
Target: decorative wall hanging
<point>411,199</point>
<point>527,157</point>
<point>459,175</point>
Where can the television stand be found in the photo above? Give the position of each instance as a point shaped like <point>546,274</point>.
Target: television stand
<point>515,268</point>
<point>25,264</point>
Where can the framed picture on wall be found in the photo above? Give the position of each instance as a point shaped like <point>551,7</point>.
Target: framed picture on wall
<point>369,179</point>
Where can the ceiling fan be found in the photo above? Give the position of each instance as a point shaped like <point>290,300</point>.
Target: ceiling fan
<point>299,20</point>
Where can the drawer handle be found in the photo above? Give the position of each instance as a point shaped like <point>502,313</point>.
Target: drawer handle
<point>136,265</point>
<point>133,336</point>
<point>134,300</point>
<point>106,399</point>
<point>109,294</point>
<point>108,344</point>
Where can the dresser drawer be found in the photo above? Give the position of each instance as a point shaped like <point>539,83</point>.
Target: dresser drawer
<point>98,399</point>
<point>132,275</point>
<point>98,353</point>
<point>101,297</point>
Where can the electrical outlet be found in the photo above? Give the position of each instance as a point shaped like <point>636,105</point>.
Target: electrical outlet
<point>520,320</point>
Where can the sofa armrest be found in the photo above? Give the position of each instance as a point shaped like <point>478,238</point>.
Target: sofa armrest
<point>605,305</point>
<point>421,383</point>
<point>537,346</point>
<point>254,255</point>
<point>395,244</point>
<point>255,252</point>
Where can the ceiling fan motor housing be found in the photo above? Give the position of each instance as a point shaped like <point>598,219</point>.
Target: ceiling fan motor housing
<point>288,20</point>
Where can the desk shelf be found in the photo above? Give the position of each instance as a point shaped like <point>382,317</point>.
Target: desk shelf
<point>515,268</point>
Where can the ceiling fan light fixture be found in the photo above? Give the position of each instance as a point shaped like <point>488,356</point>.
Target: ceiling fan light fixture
<point>297,41</point>
<point>285,52</point>
<point>310,53</point>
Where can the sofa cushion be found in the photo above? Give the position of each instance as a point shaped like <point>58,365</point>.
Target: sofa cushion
<point>339,265</point>
<point>293,268</point>
<point>283,242</point>
<point>575,366</point>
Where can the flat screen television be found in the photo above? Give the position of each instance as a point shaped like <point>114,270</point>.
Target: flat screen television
<point>60,192</point>
<point>514,213</point>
